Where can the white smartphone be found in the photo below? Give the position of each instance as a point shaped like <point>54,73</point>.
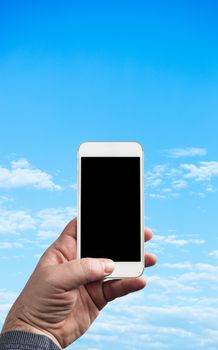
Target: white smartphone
<point>111,205</point>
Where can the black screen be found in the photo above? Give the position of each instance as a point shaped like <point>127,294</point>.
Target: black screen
<point>110,208</point>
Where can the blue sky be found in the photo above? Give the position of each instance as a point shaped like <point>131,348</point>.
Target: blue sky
<point>143,71</point>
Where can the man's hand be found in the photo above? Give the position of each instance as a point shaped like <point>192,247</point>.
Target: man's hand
<point>64,295</point>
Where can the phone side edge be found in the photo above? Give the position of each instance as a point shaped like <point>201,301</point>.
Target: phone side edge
<point>142,208</point>
<point>78,255</point>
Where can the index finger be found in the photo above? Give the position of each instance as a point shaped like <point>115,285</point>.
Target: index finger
<point>147,234</point>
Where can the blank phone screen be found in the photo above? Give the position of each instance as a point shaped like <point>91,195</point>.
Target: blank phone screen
<point>110,208</point>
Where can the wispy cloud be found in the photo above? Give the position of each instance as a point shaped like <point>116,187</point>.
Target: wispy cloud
<point>210,340</point>
<point>190,266</point>
<point>171,284</point>
<point>204,276</point>
<point>47,223</point>
<point>12,221</point>
<point>52,220</point>
<point>157,196</point>
<point>47,234</point>
<point>153,323</point>
<point>204,171</point>
<point>153,178</point>
<point>191,312</point>
<point>174,240</point>
<point>186,152</point>
<point>179,183</point>
<point>23,174</point>
<point>7,296</point>
<point>214,253</point>
<point>7,257</point>
<point>9,245</point>
<point>5,199</point>
<point>73,186</point>
<point>162,181</point>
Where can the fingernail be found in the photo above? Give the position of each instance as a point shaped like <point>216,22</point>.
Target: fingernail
<point>109,266</point>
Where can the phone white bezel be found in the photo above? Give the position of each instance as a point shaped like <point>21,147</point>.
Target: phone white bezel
<point>115,149</point>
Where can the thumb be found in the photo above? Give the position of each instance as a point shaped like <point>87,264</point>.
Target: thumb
<point>75,273</point>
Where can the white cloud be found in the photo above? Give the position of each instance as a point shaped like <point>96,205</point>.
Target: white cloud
<point>203,172</point>
<point>52,220</point>
<point>157,196</point>
<point>160,243</point>
<point>20,163</point>
<point>183,265</point>
<point>7,296</point>
<point>200,276</point>
<point>47,234</point>
<point>73,186</point>
<point>172,239</point>
<point>159,169</point>
<point>22,174</point>
<point>163,182</point>
<point>17,257</point>
<point>134,329</point>
<point>166,190</point>
<point>180,183</point>
<point>206,267</point>
<point>38,255</point>
<point>171,325</point>
<point>15,221</point>
<point>9,245</point>
<point>88,348</point>
<point>200,301</point>
<point>210,339</point>
<point>5,199</point>
<point>191,266</point>
<point>191,312</point>
<point>102,337</point>
<point>48,223</point>
<point>4,308</point>
<point>153,178</point>
<point>124,327</point>
<point>55,217</point>
<point>157,184</point>
<point>186,152</point>
<point>214,253</point>
<point>171,284</point>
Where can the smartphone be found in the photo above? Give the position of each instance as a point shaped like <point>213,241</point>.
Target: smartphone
<point>110,205</point>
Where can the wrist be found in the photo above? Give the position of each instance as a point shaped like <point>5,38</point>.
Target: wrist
<point>19,325</point>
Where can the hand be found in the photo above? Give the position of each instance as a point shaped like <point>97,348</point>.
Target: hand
<point>64,295</point>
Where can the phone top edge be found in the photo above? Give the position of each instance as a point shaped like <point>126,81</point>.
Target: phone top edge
<point>119,148</point>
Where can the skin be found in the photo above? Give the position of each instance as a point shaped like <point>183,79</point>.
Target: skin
<point>64,295</point>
